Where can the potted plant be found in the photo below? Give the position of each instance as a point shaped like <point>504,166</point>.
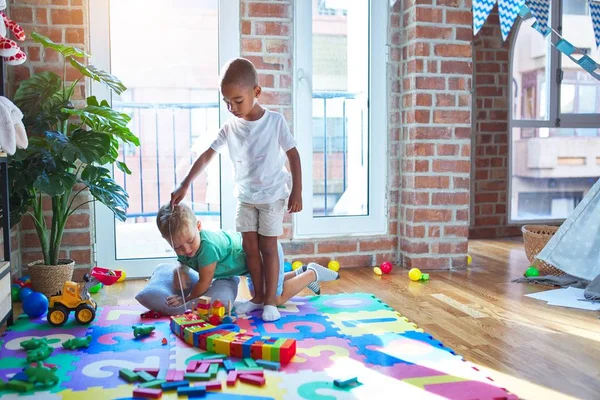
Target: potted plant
<point>70,147</point>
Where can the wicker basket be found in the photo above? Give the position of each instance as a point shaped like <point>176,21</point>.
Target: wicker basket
<point>535,238</point>
<point>49,279</point>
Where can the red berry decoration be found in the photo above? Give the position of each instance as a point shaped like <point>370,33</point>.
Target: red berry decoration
<point>386,267</point>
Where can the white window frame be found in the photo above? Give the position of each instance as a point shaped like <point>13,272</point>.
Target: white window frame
<point>229,47</point>
<point>556,119</point>
<point>375,223</point>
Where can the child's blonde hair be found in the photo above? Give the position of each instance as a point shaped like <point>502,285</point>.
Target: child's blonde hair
<point>239,71</point>
<point>179,217</point>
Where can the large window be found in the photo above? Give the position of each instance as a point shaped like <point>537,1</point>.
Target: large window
<point>340,117</point>
<point>555,124</point>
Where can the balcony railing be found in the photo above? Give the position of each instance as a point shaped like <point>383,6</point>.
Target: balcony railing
<point>167,132</point>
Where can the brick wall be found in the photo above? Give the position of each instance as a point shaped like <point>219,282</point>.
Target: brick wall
<point>435,73</point>
<point>267,29</point>
<point>491,138</point>
<point>63,21</point>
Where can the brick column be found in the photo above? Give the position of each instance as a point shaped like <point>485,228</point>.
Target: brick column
<point>435,72</point>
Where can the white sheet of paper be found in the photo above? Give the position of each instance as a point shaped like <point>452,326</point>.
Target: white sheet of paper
<point>568,297</point>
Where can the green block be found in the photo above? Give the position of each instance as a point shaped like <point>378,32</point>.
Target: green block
<point>152,384</point>
<point>213,369</point>
<point>128,375</point>
<point>213,356</point>
<point>250,363</point>
<point>193,376</point>
<point>19,386</point>
<point>145,376</point>
<point>243,369</point>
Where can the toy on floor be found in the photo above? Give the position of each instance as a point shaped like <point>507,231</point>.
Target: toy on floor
<point>78,343</point>
<point>34,343</point>
<point>76,297</point>
<point>123,275</point>
<point>41,374</point>
<point>35,305</point>
<point>141,330</point>
<point>213,313</point>
<point>415,274</point>
<point>24,292</point>
<point>296,265</point>
<point>469,259</point>
<point>96,288</point>
<point>39,354</point>
<point>287,267</point>
<point>532,271</point>
<point>151,314</point>
<point>333,265</point>
<point>386,267</point>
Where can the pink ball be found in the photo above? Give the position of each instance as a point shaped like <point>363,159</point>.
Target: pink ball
<point>386,267</point>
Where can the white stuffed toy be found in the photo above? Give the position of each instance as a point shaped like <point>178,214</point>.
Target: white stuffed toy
<point>12,131</point>
<point>9,49</point>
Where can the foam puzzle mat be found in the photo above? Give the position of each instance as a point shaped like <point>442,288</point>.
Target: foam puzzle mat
<point>338,336</point>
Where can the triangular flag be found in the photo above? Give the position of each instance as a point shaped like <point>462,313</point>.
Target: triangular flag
<point>508,10</point>
<point>540,10</point>
<point>595,13</point>
<point>481,10</point>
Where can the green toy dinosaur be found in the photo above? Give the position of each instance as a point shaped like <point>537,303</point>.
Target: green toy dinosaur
<point>41,374</point>
<point>77,343</point>
<point>34,343</point>
<point>142,330</point>
<point>39,354</point>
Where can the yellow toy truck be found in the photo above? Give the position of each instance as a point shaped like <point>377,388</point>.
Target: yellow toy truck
<point>76,297</point>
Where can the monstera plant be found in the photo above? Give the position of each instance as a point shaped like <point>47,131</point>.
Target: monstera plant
<point>72,145</point>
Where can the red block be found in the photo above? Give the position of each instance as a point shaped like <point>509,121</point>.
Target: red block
<point>192,366</point>
<point>253,379</point>
<point>212,385</point>
<point>231,378</point>
<point>287,351</point>
<point>259,372</point>
<point>236,349</point>
<point>152,393</point>
<point>179,376</point>
<point>256,350</point>
<point>203,368</point>
<point>170,377</point>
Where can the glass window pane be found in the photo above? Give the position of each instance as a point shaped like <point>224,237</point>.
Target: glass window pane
<point>529,65</point>
<point>174,110</point>
<point>567,98</point>
<point>551,173</point>
<point>578,29</point>
<point>340,107</point>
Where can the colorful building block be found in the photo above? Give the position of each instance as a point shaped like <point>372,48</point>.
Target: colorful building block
<point>146,377</point>
<point>168,386</point>
<point>252,379</point>
<point>145,393</point>
<point>269,364</point>
<point>250,363</point>
<point>231,378</point>
<point>128,375</point>
<point>152,384</point>
<point>194,376</point>
<point>228,364</point>
<point>212,385</point>
<point>344,383</point>
<point>213,370</point>
<point>178,376</point>
<point>192,366</point>
<point>190,391</point>
<point>250,371</point>
<point>151,371</point>
<point>202,368</point>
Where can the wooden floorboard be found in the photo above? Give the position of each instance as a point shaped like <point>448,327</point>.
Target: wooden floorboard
<point>536,351</point>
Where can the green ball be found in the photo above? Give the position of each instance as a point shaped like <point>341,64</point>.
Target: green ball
<point>96,288</point>
<point>14,293</point>
<point>532,271</point>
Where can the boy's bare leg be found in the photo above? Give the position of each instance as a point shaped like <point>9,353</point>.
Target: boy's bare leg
<point>295,284</point>
<point>253,261</point>
<point>270,256</point>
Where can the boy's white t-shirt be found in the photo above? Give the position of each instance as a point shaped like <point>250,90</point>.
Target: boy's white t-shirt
<point>257,150</point>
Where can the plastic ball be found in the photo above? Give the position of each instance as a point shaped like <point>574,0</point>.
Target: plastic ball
<point>333,265</point>
<point>377,271</point>
<point>25,278</point>
<point>35,305</point>
<point>386,267</point>
<point>532,271</point>
<point>14,292</point>
<point>469,259</point>
<point>415,274</point>
<point>123,276</point>
<point>296,265</point>
<point>287,267</point>
<point>24,293</point>
<point>96,288</point>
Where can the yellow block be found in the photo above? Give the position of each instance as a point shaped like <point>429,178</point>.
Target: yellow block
<point>222,346</point>
<point>266,352</point>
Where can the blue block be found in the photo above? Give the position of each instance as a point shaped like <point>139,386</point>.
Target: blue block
<point>130,398</point>
<point>191,391</point>
<point>167,386</point>
<point>565,47</point>
<point>269,364</point>
<point>228,364</point>
<point>342,383</point>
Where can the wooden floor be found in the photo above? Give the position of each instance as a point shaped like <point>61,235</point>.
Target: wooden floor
<point>535,351</point>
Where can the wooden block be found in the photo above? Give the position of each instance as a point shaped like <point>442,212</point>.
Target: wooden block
<point>167,386</point>
<point>193,376</point>
<point>231,378</point>
<point>170,377</point>
<point>213,357</point>
<point>179,375</point>
<point>128,375</point>
<point>250,363</point>
<point>343,383</point>
<point>153,384</point>
<point>228,364</point>
<point>192,366</point>
<point>146,377</point>
<point>151,371</point>
<point>212,385</point>
<point>252,379</point>
<point>199,391</point>
<point>250,371</point>
<point>203,368</point>
<point>273,365</point>
<point>152,393</point>
<point>213,370</point>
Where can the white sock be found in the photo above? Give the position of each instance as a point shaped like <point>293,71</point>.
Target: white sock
<point>244,307</point>
<point>270,313</point>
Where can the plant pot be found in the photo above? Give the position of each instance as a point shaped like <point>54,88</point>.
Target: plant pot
<point>49,279</point>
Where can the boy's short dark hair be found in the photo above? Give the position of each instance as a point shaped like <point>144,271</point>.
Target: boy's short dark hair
<point>239,71</point>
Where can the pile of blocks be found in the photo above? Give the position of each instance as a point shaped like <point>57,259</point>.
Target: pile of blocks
<point>199,377</point>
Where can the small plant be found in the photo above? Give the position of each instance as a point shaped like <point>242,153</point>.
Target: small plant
<point>70,148</point>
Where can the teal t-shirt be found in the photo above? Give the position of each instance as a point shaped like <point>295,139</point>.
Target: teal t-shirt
<point>224,248</point>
